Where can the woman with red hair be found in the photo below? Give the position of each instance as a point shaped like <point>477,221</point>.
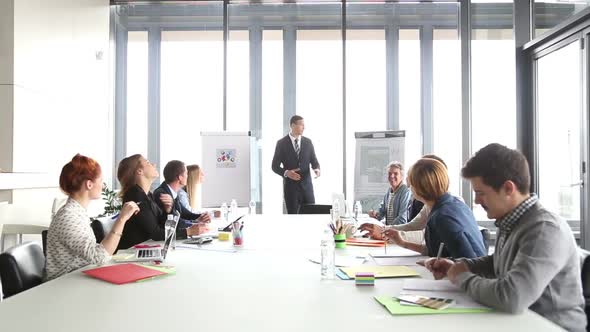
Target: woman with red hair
<point>71,244</point>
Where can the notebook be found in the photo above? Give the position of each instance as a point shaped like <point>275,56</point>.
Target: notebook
<point>123,273</point>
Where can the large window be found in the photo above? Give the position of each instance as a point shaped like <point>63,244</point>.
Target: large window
<point>319,101</point>
<point>272,117</point>
<point>365,91</point>
<point>238,81</point>
<point>549,13</point>
<point>493,69</point>
<point>137,92</point>
<point>409,93</point>
<point>558,107</point>
<point>403,67</point>
<point>191,92</point>
<point>446,103</point>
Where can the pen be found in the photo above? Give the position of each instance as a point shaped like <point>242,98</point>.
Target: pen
<point>440,248</point>
<point>384,240</point>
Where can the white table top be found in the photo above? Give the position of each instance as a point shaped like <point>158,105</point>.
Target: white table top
<point>268,285</point>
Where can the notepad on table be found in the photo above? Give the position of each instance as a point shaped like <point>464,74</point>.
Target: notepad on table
<point>123,273</point>
<point>441,289</point>
<point>395,308</point>
<point>381,271</point>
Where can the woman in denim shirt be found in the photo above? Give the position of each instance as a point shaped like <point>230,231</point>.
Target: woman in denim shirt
<point>450,221</point>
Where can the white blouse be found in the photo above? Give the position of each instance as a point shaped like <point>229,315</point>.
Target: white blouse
<point>71,243</point>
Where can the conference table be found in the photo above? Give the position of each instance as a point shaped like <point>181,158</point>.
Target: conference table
<point>269,284</point>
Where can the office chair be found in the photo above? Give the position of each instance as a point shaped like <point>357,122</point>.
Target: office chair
<point>315,209</point>
<point>21,268</point>
<point>44,242</point>
<point>101,227</point>
<point>585,268</point>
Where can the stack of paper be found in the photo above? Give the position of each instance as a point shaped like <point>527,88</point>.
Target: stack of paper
<point>408,260</point>
<point>381,271</point>
<point>341,261</point>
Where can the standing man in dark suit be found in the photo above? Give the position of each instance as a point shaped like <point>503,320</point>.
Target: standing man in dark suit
<point>175,177</point>
<point>293,155</point>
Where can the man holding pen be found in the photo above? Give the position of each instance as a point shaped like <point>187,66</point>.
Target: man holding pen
<point>536,264</point>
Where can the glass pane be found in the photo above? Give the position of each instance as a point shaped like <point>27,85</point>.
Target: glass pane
<point>238,81</point>
<point>319,101</point>
<point>137,92</point>
<point>191,92</point>
<point>409,93</point>
<point>558,91</point>
<point>272,118</point>
<point>446,101</point>
<point>549,13</point>
<point>492,81</point>
<point>365,91</point>
<point>493,88</point>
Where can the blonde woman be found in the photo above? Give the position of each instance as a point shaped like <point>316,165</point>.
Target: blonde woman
<point>189,196</point>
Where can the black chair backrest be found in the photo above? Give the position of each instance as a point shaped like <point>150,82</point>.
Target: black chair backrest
<point>21,268</point>
<point>44,241</point>
<point>585,268</point>
<point>485,233</point>
<point>315,209</point>
<point>414,208</point>
<point>101,227</point>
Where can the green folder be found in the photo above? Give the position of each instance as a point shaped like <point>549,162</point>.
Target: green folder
<point>395,308</point>
<point>169,270</point>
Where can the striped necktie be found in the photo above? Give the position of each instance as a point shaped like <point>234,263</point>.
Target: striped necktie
<point>297,148</point>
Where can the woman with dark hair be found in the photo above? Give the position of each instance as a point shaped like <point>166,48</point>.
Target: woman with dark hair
<point>136,175</point>
<point>71,244</point>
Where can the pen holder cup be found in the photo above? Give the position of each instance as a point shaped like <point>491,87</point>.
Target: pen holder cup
<point>224,236</point>
<point>340,240</point>
<point>238,237</point>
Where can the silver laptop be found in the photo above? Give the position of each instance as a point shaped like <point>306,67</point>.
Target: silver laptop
<point>144,254</point>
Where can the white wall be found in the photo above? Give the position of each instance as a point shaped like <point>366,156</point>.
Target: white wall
<point>61,97</point>
<point>60,89</point>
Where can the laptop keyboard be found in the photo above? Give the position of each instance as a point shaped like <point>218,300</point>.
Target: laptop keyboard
<point>148,253</point>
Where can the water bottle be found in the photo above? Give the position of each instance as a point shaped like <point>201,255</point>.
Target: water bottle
<point>252,206</point>
<point>358,210</point>
<point>335,210</point>
<point>170,230</point>
<point>327,263</point>
<point>224,211</point>
<point>233,208</point>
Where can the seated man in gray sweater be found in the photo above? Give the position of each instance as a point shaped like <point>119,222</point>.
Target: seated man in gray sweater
<point>535,264</point>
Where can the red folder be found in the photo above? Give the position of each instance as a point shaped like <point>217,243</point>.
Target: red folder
<point>123,273</point>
